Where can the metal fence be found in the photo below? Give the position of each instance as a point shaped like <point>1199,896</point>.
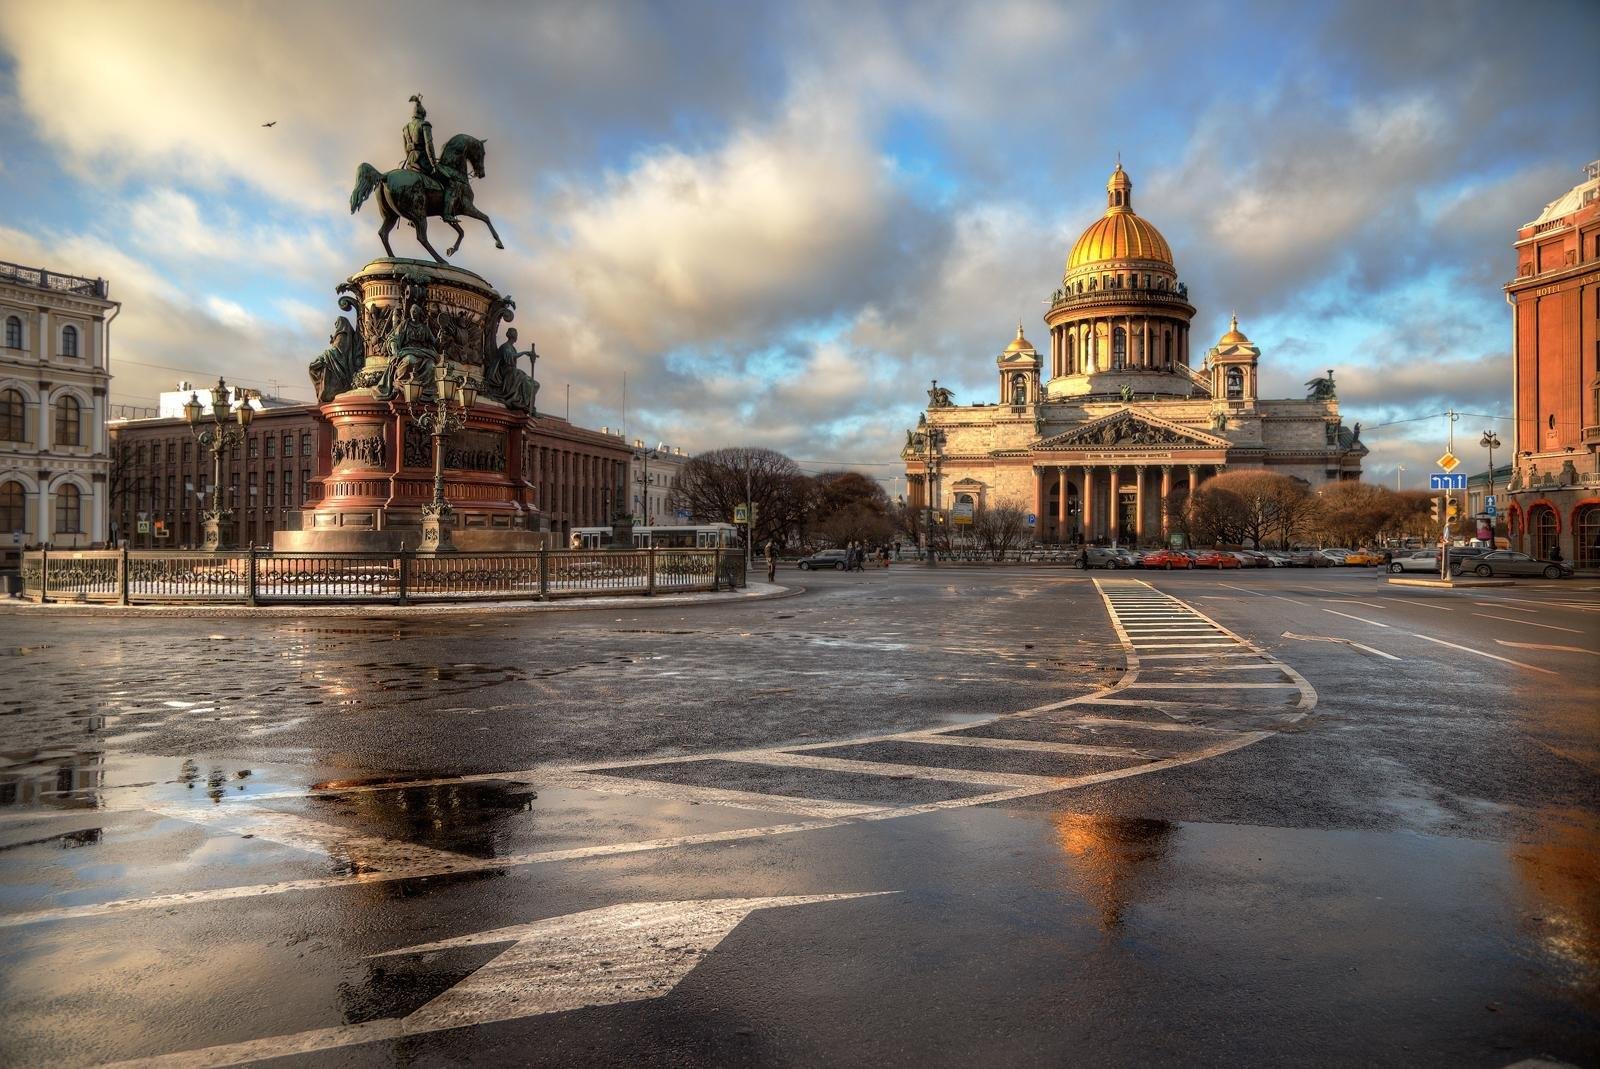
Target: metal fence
<point>263,577</point>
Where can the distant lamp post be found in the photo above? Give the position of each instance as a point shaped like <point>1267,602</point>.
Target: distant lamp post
<point>1491,442</point>
<point>453,395</point>
<point>1400,470</point>
<point>933,440</point>
<point>218,437</point>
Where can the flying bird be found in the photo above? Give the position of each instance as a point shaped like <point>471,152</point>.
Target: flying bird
<point>274,122</point>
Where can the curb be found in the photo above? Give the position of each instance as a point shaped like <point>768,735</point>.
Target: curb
<point>1450,584</point>
<point>389,611</point>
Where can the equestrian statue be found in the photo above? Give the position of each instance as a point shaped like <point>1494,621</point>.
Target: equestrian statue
<point>426,184</point>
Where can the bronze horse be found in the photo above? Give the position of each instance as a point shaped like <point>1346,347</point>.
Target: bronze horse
<point>413,196</point>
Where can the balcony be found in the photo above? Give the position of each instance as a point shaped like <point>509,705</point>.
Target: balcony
<point>1168,298</point>
<point>40,279</point>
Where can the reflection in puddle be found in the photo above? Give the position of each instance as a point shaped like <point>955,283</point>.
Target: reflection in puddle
<point>1560,878</point>
<point>1111,856</point>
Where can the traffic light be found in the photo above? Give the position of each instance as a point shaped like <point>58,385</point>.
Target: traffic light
<point>1434,512</point>
<point>1455,508</point>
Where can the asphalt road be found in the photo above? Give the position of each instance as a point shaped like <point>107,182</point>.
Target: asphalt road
<point>914,817</point>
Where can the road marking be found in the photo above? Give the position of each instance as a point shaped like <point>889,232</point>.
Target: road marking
<point>693,794</point>
<point>600,957</point>
<point>1544,646</point>
<point>886,768</point>
<point>1497,605</point>
<point>986,742</point>
<point>1360,619</point>
<point>365,852</point>
<point>1353,601</point>
<point>1577,605</point>
<point>1211,684</point>
<point>1529,623</point>
<point>1176,656</point>
<point>1425,603</point>
<point>1346,641</point>
<point>1481,653</point>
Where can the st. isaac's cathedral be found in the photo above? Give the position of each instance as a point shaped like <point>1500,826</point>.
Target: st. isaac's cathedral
<point>1096,433</point>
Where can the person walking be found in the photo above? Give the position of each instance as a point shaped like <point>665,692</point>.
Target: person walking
<point>772,560</point>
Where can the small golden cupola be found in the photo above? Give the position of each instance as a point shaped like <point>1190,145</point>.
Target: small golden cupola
<point>1019,367</point>
<point>1232,363</point>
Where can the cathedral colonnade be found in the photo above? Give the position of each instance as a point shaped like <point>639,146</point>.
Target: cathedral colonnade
<point>1073,500</point>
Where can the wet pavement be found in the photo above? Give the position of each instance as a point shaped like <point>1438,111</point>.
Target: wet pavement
<point>971,816</point>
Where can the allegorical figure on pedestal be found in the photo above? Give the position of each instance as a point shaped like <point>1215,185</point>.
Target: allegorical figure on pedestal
<point>504,381</point>
<point>335,370</point>
<point>411,353</point>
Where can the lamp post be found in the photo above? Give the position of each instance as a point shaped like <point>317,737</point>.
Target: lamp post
<point>1399,470</point>
<point>441,417</point>
<point>933,440</point>
<point>217,438</point>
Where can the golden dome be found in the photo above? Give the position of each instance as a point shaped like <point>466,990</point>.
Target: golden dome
<point>1119,234</point>
<point>1019,344</point>
<point>1235,336</point>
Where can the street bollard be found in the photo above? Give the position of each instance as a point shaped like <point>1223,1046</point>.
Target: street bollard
<point>650,565</point>
<point>544,572</point>
<point>122,575</point>
<point>403,570</point>
<point>250,576</point>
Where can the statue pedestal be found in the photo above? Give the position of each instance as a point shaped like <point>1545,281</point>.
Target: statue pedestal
<point>375,463</point>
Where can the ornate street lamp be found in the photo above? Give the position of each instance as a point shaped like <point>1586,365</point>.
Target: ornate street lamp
<point>453,394</point>
<point>1491,442</point>
<point>217,438</point>
<point>933,439</point>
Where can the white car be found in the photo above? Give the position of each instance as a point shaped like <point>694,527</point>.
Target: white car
<point>1421,560</point>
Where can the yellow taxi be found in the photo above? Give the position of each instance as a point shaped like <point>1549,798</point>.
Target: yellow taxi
<point>1364,556</point>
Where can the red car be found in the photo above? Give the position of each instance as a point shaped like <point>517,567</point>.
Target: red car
<point>1211,558</point>
<point>1165,558</point>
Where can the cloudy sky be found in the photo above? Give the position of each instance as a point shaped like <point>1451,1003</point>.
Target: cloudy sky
<point>781,221</point>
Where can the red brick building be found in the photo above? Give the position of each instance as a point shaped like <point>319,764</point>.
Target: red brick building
<point>1554,495</point>
<point>160,471</point>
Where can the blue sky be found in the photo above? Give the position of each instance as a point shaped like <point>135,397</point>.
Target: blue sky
<point>782,220</point>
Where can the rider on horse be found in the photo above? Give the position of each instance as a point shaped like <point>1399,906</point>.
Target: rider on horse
<point>418,138</point>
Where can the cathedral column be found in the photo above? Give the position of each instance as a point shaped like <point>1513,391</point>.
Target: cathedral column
<point>1166,495</point>
<point>1087,496</point>
<point>1061,503</point>
<point>1148,362</point>
<point>1038,504</point>
<point>1138,503</point>
<point>1113,517</point>
<point>1194,479</point>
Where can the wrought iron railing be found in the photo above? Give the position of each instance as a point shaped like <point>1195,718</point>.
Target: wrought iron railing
<point>263,577</point>
<point>39,278</point>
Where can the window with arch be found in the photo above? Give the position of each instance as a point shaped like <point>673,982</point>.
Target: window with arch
<point>13,416</point>
<point>69,421</point>
<point>1235,384</point>
<point>69,340</point>
<point>1019,389</point>
<point>1546,531</point>
<point>13,507</point>
<point>1586,535</point>
<point>1167,357</point>
<point>1119,348</point>
<point>69,509</point>
<point>13,332</point>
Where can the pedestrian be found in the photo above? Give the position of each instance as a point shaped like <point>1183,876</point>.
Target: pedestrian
<point>1083,558</point>
<point>772,560</point>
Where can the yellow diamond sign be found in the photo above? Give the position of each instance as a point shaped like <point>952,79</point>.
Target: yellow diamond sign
<point>1449,462</point>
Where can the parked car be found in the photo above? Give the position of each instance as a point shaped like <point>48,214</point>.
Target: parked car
<point>1212,558</point>
<point>1423,560</point>
<point>1364,557</point>
<point>826,558</point>
<point>1309,558</point>
<point>1167,559</point>
<point>1510,562</point>
<point>1109,557</point>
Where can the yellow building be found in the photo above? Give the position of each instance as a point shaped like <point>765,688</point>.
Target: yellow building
<point>1095,434</point>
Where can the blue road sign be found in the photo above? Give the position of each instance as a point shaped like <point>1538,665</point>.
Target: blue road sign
<point>1488,510</point>
<point>1440,480</point>
<point>1032,519</point>
<point>1489,501</point>
<point>683,515</point>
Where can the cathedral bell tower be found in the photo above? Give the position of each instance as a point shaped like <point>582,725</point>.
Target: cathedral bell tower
<point>1232,365</point>
<point>1019,372</point>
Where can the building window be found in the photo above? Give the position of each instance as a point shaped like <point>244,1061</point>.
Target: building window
<point>288,445</point>
<point>271,446</point>
<point>69,510</point>
<point>255,447</point>
<point>13,416</point>
<point>1586,533</point>
<point>13,507</point>
<point>69,341</point>
<point>1119,348</point>
<point>305,483</point>
<point>69,421</point>
<point>1546,532</point>
<point>305,445</point>
<point>1235,384</point>
<point>187,452</point>
<point>13,332</point>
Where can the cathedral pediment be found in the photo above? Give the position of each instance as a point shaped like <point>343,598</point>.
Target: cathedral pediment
<point>1131,429</point>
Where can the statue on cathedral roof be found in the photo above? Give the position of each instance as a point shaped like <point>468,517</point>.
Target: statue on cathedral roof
<point>1321,388</point>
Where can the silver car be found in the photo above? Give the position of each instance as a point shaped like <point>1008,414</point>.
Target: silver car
<point>1422,560</point>
<point>1510,562</point>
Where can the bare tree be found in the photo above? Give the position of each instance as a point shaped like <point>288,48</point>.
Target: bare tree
<point>999,530</point>
<point>1256,505</point>
<point>711,485</point>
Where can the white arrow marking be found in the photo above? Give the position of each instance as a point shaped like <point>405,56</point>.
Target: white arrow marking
<point>626,953</point>
<point>1346,641</point>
